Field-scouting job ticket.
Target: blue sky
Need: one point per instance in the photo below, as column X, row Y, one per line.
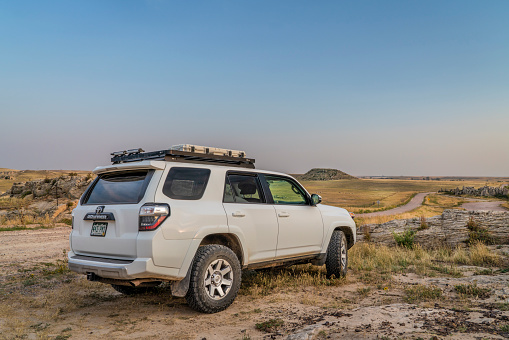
column 369, row 87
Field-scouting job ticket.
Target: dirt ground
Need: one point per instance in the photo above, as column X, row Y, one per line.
column 40, row 299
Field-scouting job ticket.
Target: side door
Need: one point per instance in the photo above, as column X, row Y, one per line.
column 249, row 214
column 300, row 223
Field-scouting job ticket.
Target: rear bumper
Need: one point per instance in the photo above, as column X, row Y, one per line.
column 140, row 268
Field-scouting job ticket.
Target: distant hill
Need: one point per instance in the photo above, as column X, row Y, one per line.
column 318, row 174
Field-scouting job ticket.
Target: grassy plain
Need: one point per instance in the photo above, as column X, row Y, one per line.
column 361, row 195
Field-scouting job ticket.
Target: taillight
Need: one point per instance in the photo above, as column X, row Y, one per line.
column 152, row 215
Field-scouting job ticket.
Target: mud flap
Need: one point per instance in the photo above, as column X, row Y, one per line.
column 180, row 288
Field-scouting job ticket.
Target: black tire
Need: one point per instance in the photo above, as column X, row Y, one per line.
column 205, row 288
column 128, row 290
column 337, row 255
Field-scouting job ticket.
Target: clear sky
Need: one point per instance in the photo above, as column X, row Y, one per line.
column 368, row 87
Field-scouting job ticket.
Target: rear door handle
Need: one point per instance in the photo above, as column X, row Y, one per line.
column 238, row 214
column 283, row 214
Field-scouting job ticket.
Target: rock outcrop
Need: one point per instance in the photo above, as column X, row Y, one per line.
column 452, row 228
column 71, row 187
column 484, row 191
column 325, row 175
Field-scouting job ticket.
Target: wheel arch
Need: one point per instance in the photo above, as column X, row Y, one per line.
column 350, row 238
column 229, row 240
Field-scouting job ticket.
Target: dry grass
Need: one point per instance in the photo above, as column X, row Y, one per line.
column 28, row 221
column 363, row 194
column 389, row 260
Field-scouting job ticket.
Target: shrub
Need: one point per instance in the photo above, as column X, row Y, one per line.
column 419, row 293
column 73, row 174
column 67, row 221
column 472, row 290
column 269, row 325
column 424, row 224
column 478, row 233
column 367, row 234
column 405, row 239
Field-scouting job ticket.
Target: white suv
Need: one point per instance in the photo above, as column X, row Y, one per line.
column 196, row 217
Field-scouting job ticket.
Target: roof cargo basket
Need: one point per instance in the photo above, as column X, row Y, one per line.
column 187, row 153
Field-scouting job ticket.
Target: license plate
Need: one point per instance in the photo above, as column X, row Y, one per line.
column 99, row 229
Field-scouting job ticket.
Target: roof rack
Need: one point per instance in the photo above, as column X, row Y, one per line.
column 208, row 155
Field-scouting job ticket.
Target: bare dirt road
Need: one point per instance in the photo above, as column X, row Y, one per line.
column 414, row 203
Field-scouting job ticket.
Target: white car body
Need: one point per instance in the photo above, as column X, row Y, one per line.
column 260, row 234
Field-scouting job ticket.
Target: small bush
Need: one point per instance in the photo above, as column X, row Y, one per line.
column 419, row 293
column 405, row 239
column 473, row 290
column 73, row 174
column 269, row 325
column 478, row 233
column 424, row 224
column 67, row 221
column 367, row 234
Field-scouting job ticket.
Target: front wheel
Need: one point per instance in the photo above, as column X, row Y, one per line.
column 336, row 262
column 215, row 279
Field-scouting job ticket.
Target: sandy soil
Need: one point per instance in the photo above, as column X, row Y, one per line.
column 68, row 306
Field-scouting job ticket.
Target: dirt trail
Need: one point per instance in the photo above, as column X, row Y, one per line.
column 414, row 203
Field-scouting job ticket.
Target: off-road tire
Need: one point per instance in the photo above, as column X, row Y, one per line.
column 128, row 290
column 198, row 296
column 337, row 255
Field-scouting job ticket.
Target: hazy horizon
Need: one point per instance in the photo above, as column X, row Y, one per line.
column 371, row 88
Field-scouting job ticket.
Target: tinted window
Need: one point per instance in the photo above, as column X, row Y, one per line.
column 119, row 188
column 242, row 189
column 285, row 191
column 186, row 183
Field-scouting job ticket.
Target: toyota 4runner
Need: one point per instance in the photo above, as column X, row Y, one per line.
column 195, row 217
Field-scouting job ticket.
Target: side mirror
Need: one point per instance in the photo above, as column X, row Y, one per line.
column 316, row 199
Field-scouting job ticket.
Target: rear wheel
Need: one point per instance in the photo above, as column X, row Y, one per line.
column 337, row 255
column 215, row 279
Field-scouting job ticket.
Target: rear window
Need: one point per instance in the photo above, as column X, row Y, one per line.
column 119, row 188
column 186, row 183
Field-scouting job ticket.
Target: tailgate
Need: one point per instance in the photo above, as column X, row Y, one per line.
column 106, row 220
column 110, row 238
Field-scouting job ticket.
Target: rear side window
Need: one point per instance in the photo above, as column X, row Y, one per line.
column 186, row 183
column 119, row 188
column 242, row 189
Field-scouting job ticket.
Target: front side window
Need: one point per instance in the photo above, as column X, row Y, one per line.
column 186, row 183
column 119, row 188
column 285, row 191
column 242, row 189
